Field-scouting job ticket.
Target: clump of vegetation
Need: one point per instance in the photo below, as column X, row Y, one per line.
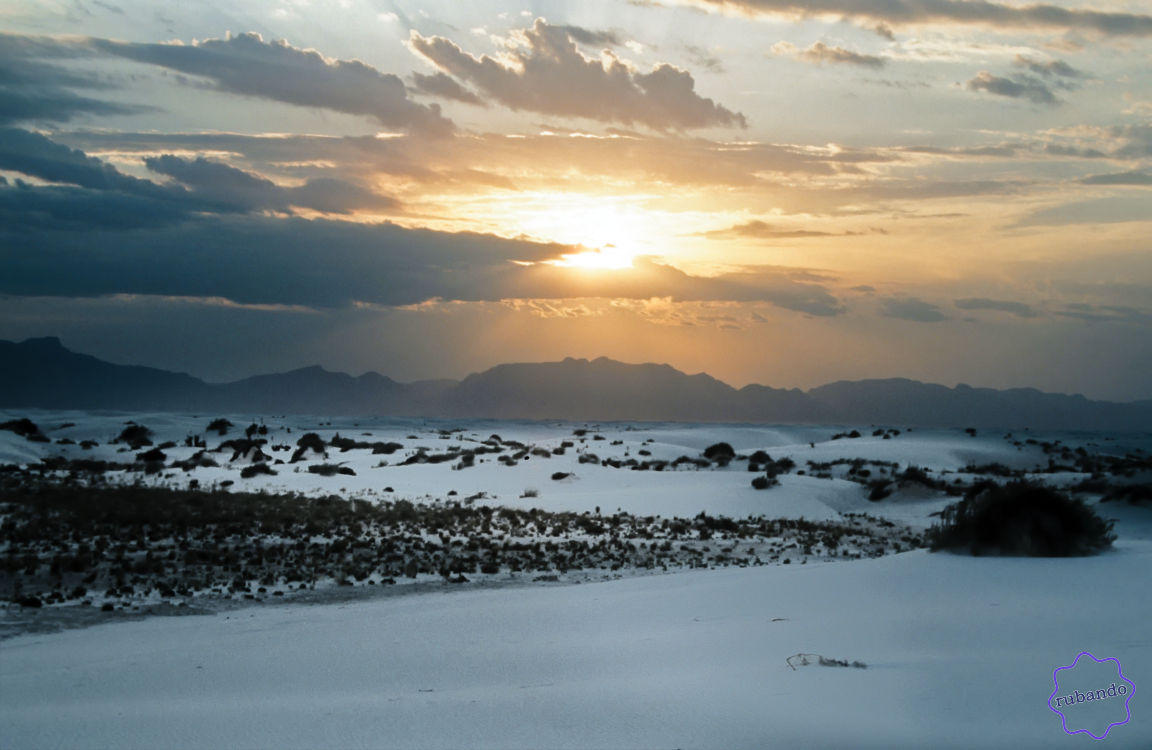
column 26, row 429
column 803, row 660
column 721, row 453
column 308, row 442
column 852, row 435
column 1021, row 518
column 261, row 468
column 330, row 470
column 764, row 481
column 916, row 475
column 1133, row 494
column 879, row 489
column 558, row 475
column 136, row 436
column 219, row 426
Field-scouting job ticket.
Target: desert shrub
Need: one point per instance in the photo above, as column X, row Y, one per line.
column 153, row 455
column 760, row 457
column 250, row 471
column 879, row 489
column 1021, row 518
column 308, row 442
column 255, row 429
column 219, row 426
column 719, row 451
column 1133, row 494
column 764, row 481
column 330, row 470
column 558, row 475
column 780, row 466
column 530, row 493
column 25, row 428
column 994, row 469
column 135, row 435
column 916, row 475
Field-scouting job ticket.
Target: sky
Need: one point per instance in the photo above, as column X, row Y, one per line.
column 776, row 192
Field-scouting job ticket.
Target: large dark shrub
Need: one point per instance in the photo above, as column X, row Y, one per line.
column 135, row 435
column 25, row 428
column 1021, row 518
column 719, row 450
column 219, row 426
column 764, row 481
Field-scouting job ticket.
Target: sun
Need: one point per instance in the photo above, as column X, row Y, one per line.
column 604, row 235
column 606, row 257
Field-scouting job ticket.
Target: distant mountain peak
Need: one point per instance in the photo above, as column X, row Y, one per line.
column 42, row 373
column 43, row 342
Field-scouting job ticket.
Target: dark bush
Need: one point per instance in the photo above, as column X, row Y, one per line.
column 329, row 470
column 1133, row 494
column 25, row 428
column 557, row 476
column 719, row 451
column 153, row 455
column 879, row 489
column 764, row 481
column 916, row 475
column 250, row 471
column 1021, row 518
column 135, row 435
column 219, row 426
column 308, row 442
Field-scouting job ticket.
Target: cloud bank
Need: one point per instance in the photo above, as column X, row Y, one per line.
column 547, row 73
column 1034, row 17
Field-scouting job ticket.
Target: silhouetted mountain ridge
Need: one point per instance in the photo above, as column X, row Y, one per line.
column 42, row 373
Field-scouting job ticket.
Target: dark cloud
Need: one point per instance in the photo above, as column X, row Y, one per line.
column 1056, row 149
column 702, row 58
column 444, row 87
column 822, row 53
column 324, row 263
column 912, row 308
column 37, row 156
column 1037, row 16
column 1006, row 150
column 31, row 209
column 203, row 186
column 1116, row 209
column 1024, row 87
column 590, row 36
column 32, row 90
column 234, row 189
column 494, row 159
column 1135, row 141
column 551, row 76
column 247, row 65
column 1104, row 313
column 761, row 230
column 1018, row 309
column 1049, row 69
column 1133, row 177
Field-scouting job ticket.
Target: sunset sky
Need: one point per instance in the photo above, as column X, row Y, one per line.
column 788, row 193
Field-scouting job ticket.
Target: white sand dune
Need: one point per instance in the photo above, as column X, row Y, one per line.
column 959, row 650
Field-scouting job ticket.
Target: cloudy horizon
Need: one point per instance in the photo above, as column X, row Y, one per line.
column 774, row 192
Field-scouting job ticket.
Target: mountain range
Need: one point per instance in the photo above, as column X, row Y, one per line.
column 42, row 373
